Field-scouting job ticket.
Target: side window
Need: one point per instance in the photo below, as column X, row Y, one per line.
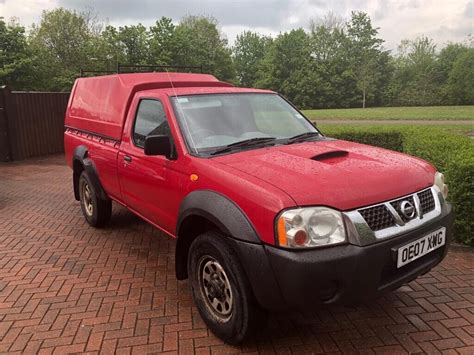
column 150, row 120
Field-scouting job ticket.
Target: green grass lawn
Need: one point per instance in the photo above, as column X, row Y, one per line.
column 436, row 113
column 327, row 128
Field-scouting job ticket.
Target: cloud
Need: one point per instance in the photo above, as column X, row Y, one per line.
column 27, row 11
column 469, row 11
column 264, row 13
column 440, row 19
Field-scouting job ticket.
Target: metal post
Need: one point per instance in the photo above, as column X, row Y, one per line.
column 5, row 143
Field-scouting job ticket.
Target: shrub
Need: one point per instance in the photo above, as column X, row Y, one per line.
column 450, row 152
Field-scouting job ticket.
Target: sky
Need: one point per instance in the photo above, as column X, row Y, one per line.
column 442, row 20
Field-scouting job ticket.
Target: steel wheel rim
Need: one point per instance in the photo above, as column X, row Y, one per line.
column 87, row 199
column 215, row 288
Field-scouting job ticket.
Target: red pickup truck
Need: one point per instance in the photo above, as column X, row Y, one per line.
column 268, row 212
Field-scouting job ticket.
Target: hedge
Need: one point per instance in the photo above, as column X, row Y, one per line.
column 450, row 152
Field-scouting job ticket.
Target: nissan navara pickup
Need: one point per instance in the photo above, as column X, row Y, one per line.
column 268, row 212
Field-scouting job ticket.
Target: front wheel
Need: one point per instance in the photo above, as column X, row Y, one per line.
column 221, row 290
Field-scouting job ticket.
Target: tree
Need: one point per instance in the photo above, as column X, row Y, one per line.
column 286, row 64
column 416, row 77
column 109, row 50
column 366, row 50
column 461, row 78
column 328, row 38
column 444, row 65
column 16, row 62
column 200, row 42
column 63, row 42
column 162, row 42
column 331, row 62
column 248, row 52
column 338, row 63
column 134, row 42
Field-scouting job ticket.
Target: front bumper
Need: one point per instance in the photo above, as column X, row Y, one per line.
column 336, row 275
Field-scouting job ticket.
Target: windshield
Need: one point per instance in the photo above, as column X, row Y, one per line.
column 212, row 121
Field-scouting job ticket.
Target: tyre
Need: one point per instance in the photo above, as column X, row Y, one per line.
column 221, row 290
column 96, row 211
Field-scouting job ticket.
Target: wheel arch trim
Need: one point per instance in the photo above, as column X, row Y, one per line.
column 218, row 209
column 81, row 156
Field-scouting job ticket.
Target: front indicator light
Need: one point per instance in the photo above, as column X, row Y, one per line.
column 282, row 240
column 439, row 182
column 310, row 227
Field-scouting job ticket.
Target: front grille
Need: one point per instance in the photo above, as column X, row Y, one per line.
column 427, row 201
column 396, row 204
column 378, row 217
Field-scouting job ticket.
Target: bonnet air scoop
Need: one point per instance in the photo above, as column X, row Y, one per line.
column 333, row 154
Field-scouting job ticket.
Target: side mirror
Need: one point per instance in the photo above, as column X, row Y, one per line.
column 158, row 145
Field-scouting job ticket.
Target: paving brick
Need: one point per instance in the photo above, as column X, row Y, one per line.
column 463, row 335
column 170, row 341
column 444, row 344
column 454, row 322
column 68, row 288
column 133, row 341
column 465, row 350
column 424, row 336
column 94, row 342
column 390, row 349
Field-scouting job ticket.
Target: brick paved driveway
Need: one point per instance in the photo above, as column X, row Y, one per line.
column 65, row 287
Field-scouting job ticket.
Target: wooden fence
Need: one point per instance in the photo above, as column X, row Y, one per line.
column 31, row 123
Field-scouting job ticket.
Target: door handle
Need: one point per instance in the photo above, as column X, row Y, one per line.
column 127, row 158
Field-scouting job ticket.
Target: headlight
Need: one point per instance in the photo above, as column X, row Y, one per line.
column 310, row 227
column 439, row 183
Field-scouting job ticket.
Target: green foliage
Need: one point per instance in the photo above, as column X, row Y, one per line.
column 201, row 42
column 62, row 43
column 461, row 77
column 248, row 53
column 287, row 65
column 335, row 86
column 338, row 63
column 163, row 43
column 133, row 40
column 366, row 53
column 449, row 152
column 16, row 63
column 416, row 74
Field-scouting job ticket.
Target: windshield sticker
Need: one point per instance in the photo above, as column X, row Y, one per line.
column 183, row 100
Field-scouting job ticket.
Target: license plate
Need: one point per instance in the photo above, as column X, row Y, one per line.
column 420, row 247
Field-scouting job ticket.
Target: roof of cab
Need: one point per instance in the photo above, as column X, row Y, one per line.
column 100, row 104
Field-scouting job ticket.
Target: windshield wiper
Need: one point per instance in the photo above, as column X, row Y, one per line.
column 301, row 137
column 244, row 143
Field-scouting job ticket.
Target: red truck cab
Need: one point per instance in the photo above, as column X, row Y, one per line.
column 268, row 212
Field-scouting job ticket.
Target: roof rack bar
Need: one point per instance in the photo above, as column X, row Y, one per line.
column 141, row 68
column 96, row 72
column 120, row 67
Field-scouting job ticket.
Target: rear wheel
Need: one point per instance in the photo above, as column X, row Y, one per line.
column 96, row 211
column 221, row 290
